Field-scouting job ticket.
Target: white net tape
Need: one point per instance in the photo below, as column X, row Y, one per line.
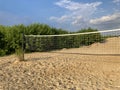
column 101, row 31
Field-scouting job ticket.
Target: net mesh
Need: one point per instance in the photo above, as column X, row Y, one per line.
column 43, row 43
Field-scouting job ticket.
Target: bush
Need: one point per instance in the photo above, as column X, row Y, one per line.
column 2, row 52
column 11, row 38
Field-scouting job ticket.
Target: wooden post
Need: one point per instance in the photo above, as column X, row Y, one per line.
column 23, row 40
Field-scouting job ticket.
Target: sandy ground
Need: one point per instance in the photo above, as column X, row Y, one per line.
column 95, row 67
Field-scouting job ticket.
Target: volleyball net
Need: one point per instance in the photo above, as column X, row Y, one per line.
column 36, row 43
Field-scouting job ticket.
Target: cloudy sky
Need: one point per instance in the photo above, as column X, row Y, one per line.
column 67, row 14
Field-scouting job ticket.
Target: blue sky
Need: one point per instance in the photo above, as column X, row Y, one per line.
column 67, row 14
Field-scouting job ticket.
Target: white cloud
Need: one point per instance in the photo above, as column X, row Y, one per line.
column 75, row 12
column 77, row 20
column 60, row 19
column 106, row 22
column 71, row 5
column 103, row 19
column 116, row 1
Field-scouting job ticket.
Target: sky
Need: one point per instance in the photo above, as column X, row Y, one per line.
column 70, row 15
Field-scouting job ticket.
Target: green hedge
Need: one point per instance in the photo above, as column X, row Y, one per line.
column 54, row 43
column 11, row 38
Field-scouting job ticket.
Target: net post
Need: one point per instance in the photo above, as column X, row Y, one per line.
column 23, row 39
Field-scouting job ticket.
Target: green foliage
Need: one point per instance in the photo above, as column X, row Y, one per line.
column 2, row 41
column 11, row 38
column 2, row 52
column 89, row 39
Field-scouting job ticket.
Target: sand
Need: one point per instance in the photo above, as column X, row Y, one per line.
column 95, row 67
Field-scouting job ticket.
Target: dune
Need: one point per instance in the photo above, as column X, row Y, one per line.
column 110, row 46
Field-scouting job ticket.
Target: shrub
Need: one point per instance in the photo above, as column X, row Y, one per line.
column 11, row 38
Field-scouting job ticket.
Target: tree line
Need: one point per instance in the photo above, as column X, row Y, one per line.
column 11, row 38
